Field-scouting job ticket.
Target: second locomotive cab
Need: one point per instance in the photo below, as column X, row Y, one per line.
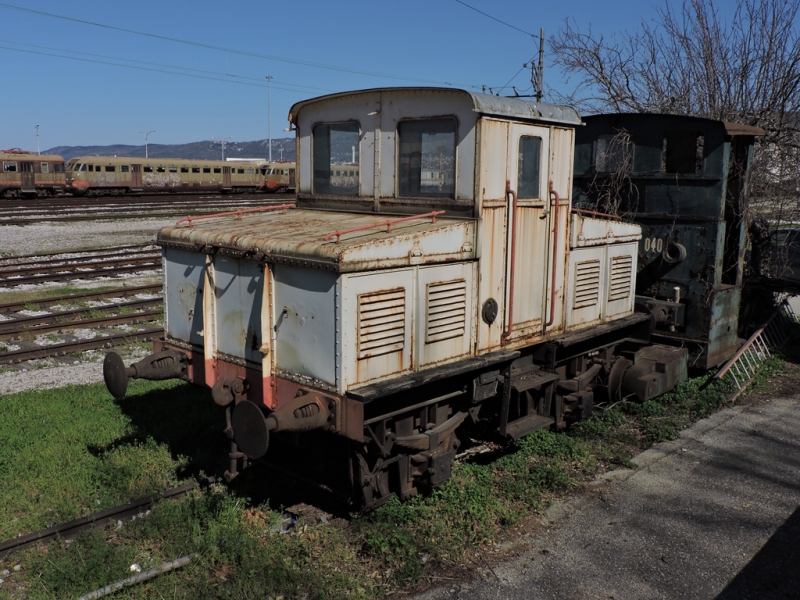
column 447, row 282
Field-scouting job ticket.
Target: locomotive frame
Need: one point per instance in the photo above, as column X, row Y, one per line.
column 451, row 283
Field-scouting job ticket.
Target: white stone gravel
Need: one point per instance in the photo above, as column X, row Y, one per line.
column 78, row 235
column 45, row 379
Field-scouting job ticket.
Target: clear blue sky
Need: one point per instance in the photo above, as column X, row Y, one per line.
column 83, row 102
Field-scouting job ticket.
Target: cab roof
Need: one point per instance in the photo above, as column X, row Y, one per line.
column 484, row 104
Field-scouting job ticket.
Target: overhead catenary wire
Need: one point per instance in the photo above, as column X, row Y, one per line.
column 533, row 35
column 230, row 77
column 138, row 68
column 232, row 50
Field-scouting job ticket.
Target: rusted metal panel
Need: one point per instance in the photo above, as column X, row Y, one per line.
column 238, row 293
column 376, row 325
column 588, row 231
column 184, row 274
column 305, row 322
column 300, row 234
column 621, row 280
column 445, row 312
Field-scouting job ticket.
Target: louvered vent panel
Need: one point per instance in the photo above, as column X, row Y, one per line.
column 620, row 284
column 447, row 310
column 381, row 323
column 587, row 283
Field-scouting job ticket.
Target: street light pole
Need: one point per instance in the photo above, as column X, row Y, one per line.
column 37, row 139
column 269, row 113
column 222, row 143
column 145, row 139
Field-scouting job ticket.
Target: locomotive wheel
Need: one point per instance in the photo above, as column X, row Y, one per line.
column 615, row 379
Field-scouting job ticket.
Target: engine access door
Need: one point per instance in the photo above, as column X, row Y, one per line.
column 528, row 232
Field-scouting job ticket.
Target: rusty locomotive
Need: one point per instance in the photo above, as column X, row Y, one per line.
column 457, row 278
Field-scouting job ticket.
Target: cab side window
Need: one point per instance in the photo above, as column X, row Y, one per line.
column 335, row 145
column 427, row 158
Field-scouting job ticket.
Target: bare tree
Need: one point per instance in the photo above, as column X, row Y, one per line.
column 692, row 61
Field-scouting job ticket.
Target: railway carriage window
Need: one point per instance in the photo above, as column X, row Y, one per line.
column 45, row 168
column 683, row 151
column 97, row 168
column 217, row 170
column 111, row 169
column 83, row 167
column 124, row 168
column 184, row 169
column 530, row 159
column 9, row 167
column 613, row 152
column 206, row 169
column 173, row 169
column 159, row 169
column 427, row 162
column 148, row 169
column 91, row 168
column 334, row 144
column 195, row 169
column 241, row 171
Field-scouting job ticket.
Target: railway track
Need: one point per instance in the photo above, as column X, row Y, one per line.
column 70, row 210
column 90, row 264
column 25, row 337
column 122, row 512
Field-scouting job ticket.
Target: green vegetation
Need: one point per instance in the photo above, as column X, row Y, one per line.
column 73, row 451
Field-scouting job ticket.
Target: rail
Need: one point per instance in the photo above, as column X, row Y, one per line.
column 238, row 213
column 594, row 213
column 388, row 223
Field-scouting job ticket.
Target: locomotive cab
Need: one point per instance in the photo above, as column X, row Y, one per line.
column 430, row 273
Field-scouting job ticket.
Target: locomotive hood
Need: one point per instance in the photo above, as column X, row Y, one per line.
column 342, row 242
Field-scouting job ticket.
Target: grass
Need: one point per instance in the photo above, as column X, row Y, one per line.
column 76, row 450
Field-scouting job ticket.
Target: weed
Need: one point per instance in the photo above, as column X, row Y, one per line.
column 31, row 306
column 97, row 313
column 126, row 310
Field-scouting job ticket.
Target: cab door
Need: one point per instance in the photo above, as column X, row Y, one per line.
column 136, row 177
column 528, row 260
column 27, row 177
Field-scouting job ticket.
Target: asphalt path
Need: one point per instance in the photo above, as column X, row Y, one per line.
column 714, row 514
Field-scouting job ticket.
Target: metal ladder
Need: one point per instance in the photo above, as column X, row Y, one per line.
column 771, row 336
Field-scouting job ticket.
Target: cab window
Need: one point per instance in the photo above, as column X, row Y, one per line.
column 334, row 144
column 45, row 168
column 529, row 161
column 9, row 166
column 427, row 157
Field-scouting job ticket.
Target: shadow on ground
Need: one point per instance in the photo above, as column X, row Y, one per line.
column 775, row 571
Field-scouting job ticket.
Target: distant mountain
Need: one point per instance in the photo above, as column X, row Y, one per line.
column 206, row 150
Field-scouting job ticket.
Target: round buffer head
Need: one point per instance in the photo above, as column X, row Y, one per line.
column 114, row 375
column 250, row 429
